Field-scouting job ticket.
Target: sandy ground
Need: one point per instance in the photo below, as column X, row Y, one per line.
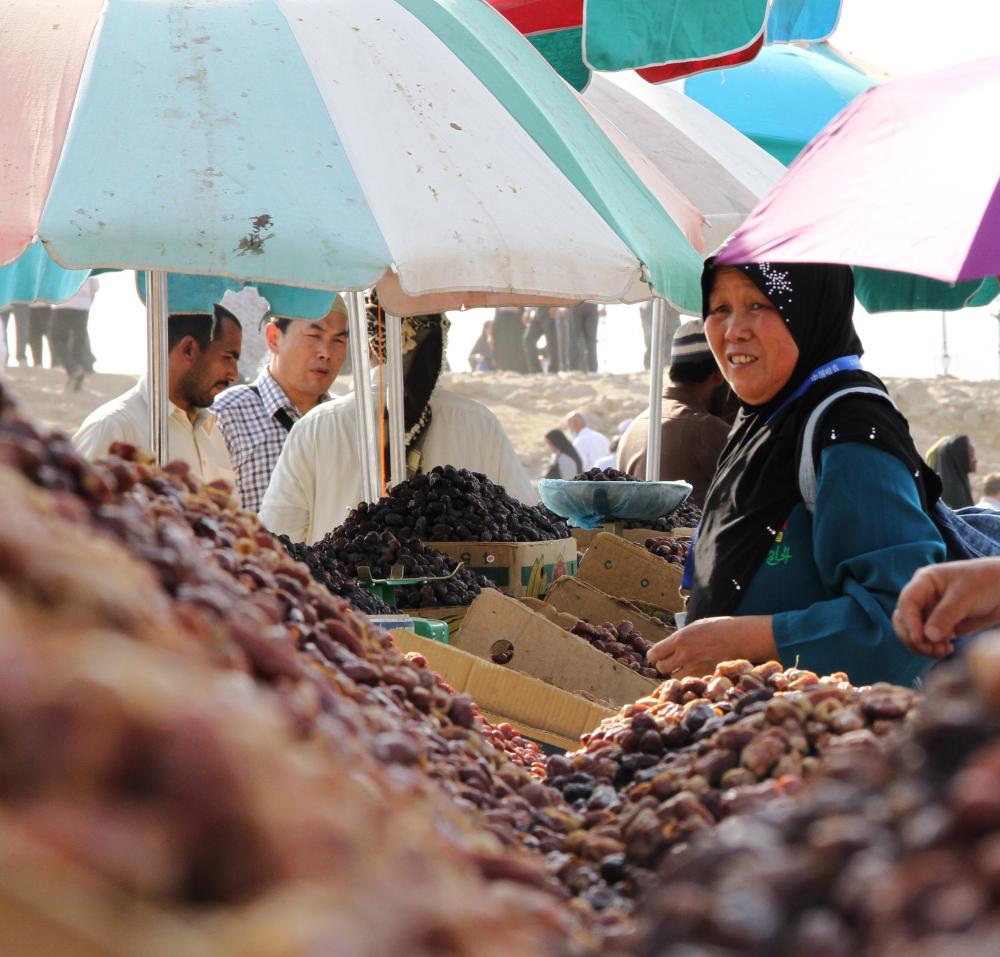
column 528, row 406
column 42, row 394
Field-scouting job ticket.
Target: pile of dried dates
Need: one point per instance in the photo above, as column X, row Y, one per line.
column 332, row 573
column 696, row 751
column 604, row 475
column 341, row 686
column 672, row 550
column 889, row 852
column 452, row 505
column 687, row 515
column 380, row 552
column 189, row 716
column 621, row 642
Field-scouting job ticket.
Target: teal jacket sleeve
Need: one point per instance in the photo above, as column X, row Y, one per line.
column 870, row 534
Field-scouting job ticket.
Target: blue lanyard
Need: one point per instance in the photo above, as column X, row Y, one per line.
column 843, row 364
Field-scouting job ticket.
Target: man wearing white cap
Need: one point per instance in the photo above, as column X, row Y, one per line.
column 692, row 433
column 203, row 352
column 305, row 356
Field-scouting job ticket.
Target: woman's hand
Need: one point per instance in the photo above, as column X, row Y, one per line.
column 944, row 601
column 695, row 650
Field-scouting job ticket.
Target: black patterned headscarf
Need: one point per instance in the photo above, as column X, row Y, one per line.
column 425, row 343
column 755, row 486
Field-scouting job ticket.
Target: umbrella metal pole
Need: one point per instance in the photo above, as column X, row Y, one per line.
column 157, row 365
column 397, row 422
column 368, row 450
column 945, row 357
column 996, row 316
column 655, row 392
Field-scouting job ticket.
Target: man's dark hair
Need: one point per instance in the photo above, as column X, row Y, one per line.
column 281, row 322
column 199, row 326
column 692, row 373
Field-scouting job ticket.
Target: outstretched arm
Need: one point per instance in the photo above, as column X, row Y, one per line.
column 943, row 602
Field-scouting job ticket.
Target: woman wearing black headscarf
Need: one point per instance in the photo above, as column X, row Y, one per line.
column 770, row 579
column 953, row 458
column 565, row 459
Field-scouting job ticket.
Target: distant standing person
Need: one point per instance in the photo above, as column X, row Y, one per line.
column 540, row 323
column 481, row 357
column 562, row 355
column 590, row 444
column 39, row 324
column 954, row 459
column 692, row 434
column 19, row 312
column 991, row 492
column 508, row 330
column 565, row 462
column 305, row 357
column 587, row 316
column 68, row 334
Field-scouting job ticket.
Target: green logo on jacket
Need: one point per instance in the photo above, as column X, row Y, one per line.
column 780, row 554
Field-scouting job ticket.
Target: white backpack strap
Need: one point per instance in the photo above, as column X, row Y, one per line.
column 807, row 464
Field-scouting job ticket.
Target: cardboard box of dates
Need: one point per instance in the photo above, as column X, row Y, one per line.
column 626, row 570
column 543, row 713
column 508, row 633
column 574, row 597
column 517, row 568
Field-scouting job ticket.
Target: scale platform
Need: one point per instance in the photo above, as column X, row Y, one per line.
column 592, row 504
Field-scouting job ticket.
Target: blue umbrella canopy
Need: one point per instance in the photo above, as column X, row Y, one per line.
column 802, row 21
column 35, row 277
column 782, row 99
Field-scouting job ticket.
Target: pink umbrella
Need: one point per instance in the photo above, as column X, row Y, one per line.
column 906, row 178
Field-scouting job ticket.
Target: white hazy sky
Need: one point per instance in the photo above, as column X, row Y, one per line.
column 902, row 36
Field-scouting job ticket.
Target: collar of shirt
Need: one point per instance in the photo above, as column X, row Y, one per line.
column 273, row 397
column 203, row 418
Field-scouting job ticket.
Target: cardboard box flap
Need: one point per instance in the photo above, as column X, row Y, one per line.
column 585, row 536
column 509, row 695
column 625, row 570
column 508, row 633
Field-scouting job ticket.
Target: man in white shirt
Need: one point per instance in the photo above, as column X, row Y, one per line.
column 589, row 444
column 317, row 480
column 204, row 351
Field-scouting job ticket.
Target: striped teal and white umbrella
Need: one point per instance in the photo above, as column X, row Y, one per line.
column 422, row 146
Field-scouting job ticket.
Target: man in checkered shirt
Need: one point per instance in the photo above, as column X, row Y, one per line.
column 305, row 358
